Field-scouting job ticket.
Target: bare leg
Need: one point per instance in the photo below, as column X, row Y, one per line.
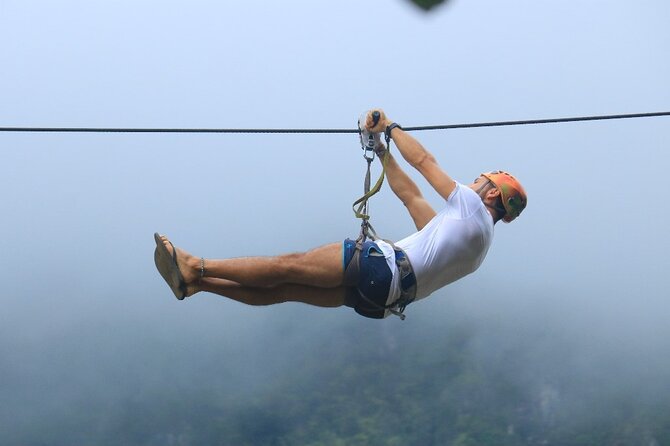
column 320, row 267
column 322, row 297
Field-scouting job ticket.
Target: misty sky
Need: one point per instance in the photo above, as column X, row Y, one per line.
column 586, row 263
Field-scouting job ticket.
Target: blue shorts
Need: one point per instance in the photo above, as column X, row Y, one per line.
column 368, row 296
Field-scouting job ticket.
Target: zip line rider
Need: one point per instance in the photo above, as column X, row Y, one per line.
column 375, row 277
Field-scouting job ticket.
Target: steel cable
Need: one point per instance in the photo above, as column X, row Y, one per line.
column 325, row 131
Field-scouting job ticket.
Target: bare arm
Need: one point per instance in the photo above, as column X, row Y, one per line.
column 418, row 157
column 408, row 192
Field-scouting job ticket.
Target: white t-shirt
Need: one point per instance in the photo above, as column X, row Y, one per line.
column 452, row 245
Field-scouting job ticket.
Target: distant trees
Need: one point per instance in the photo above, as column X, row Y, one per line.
column 427, row 4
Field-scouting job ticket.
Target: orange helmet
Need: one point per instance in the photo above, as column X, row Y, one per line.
column 513, row 195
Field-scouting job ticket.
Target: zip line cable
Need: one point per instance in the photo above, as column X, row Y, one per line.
column 279, row 130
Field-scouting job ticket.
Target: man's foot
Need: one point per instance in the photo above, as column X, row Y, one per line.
column 178, row 268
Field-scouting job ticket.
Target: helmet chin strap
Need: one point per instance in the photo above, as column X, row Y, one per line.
column 480, row 189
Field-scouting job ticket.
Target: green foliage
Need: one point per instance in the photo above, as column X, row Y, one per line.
column 374, row 384
column 427, row 4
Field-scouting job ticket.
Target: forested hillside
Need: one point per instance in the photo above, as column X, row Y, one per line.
column 370, row 384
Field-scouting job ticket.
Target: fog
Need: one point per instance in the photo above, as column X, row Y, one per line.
column 570, row 306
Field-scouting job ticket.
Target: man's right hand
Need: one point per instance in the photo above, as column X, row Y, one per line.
column 382, row 123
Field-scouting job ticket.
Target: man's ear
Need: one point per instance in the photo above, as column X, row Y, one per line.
column 493, row 193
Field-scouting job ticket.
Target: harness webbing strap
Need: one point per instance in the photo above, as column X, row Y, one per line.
column 360, row 205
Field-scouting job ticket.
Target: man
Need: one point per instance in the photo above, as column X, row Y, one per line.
column 376, row 278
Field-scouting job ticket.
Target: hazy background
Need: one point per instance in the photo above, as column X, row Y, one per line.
column 572, row 296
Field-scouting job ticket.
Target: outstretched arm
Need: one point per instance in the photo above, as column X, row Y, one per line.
column 408, row 192
column 417, row 156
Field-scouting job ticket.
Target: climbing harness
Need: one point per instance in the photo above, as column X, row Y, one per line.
column 370, row 143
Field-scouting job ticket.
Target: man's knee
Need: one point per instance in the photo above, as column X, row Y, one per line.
column 321, row 267
column 292, row 263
